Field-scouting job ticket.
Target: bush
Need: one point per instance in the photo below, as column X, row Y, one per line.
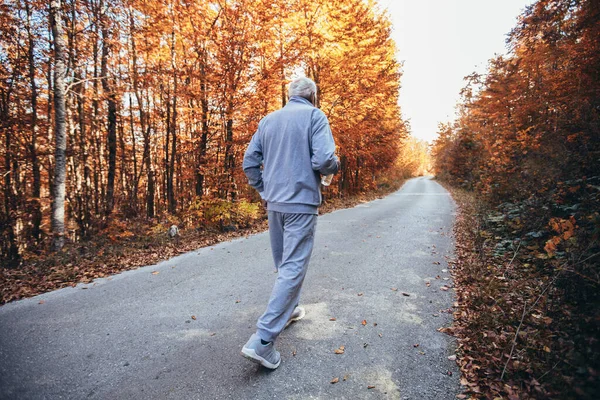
column 219, row 213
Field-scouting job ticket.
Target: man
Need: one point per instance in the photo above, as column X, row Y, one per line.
column 294, row 146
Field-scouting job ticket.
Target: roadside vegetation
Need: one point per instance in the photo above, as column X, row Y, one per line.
column 523, row 162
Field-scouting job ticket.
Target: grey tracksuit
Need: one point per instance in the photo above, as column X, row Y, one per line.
column 293, row 146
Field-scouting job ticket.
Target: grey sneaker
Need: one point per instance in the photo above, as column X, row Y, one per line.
column 265, row 355
column 297, row 315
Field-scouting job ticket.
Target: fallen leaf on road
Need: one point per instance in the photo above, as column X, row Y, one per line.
column 332, row 319
column 238, row 301
column 213, row 334
column 335, row 380
column 374, row 323
column 345, row 377
column 380, row 335
column 452, row 357
column 449, row 373
column 194, row 317
column 155, row 272
column 444, row 288
column 371, row 387
column 364, row 322
column 428, row 284
column 360, row 294
column 416, row 345
column 41, row 302
column 294, row 353
column 340, row 350
column 436, row 262
column 405, row 294
column 395, row 289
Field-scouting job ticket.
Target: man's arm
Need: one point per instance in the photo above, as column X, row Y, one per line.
column 253, row 159
column 323, row 157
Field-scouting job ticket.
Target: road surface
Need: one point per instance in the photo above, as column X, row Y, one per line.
column 132, row 336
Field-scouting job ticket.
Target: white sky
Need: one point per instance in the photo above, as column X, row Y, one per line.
column 440, row 42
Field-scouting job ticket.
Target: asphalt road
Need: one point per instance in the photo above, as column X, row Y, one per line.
column 133, row 336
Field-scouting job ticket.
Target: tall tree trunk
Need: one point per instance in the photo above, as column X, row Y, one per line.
column 172, row 204
column 111, row 137
column 36, row 217
column 204, row 135
column 60, row 170
column 150, row 190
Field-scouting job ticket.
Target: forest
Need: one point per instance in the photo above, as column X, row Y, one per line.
column 127, row 110
column 526, row 145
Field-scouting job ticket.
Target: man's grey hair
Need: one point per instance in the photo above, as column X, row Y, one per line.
column 303, row 87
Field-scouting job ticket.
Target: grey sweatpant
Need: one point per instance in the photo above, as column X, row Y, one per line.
column 292, row 237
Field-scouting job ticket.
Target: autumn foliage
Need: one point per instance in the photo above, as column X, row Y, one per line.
column 527, row 143
column 162, row 97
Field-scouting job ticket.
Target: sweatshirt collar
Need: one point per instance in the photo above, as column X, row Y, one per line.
column 300, row 99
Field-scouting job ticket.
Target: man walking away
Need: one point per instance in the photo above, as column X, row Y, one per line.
column 295, row 147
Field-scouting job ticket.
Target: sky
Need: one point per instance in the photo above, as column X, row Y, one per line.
column 440, row 42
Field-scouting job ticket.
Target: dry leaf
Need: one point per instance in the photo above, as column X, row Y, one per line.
column 444, row 288
column 345, row 377
column 380, row 335
column 374, row 323
column 335, row 380
column 371, row 387
column 155, row 272
column 332, row 319
column 416, row 345
column 405, row 294
column 340, row 350
column 213, row 334
column 395, row 289
column 294, row 353
column 360, row 294
column 436, row 262
column 428, row 284
column 452, row 357
column 238, row 301
column 547, row 349
column 364, row 322
column 194, row 317
column 41, row 302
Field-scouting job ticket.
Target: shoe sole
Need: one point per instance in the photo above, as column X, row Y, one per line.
column 298, row 318
column 251, row 355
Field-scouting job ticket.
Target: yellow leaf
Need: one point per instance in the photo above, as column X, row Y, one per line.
column 547, row 349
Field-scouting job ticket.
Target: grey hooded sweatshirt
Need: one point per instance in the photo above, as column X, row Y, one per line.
column 293, row 145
